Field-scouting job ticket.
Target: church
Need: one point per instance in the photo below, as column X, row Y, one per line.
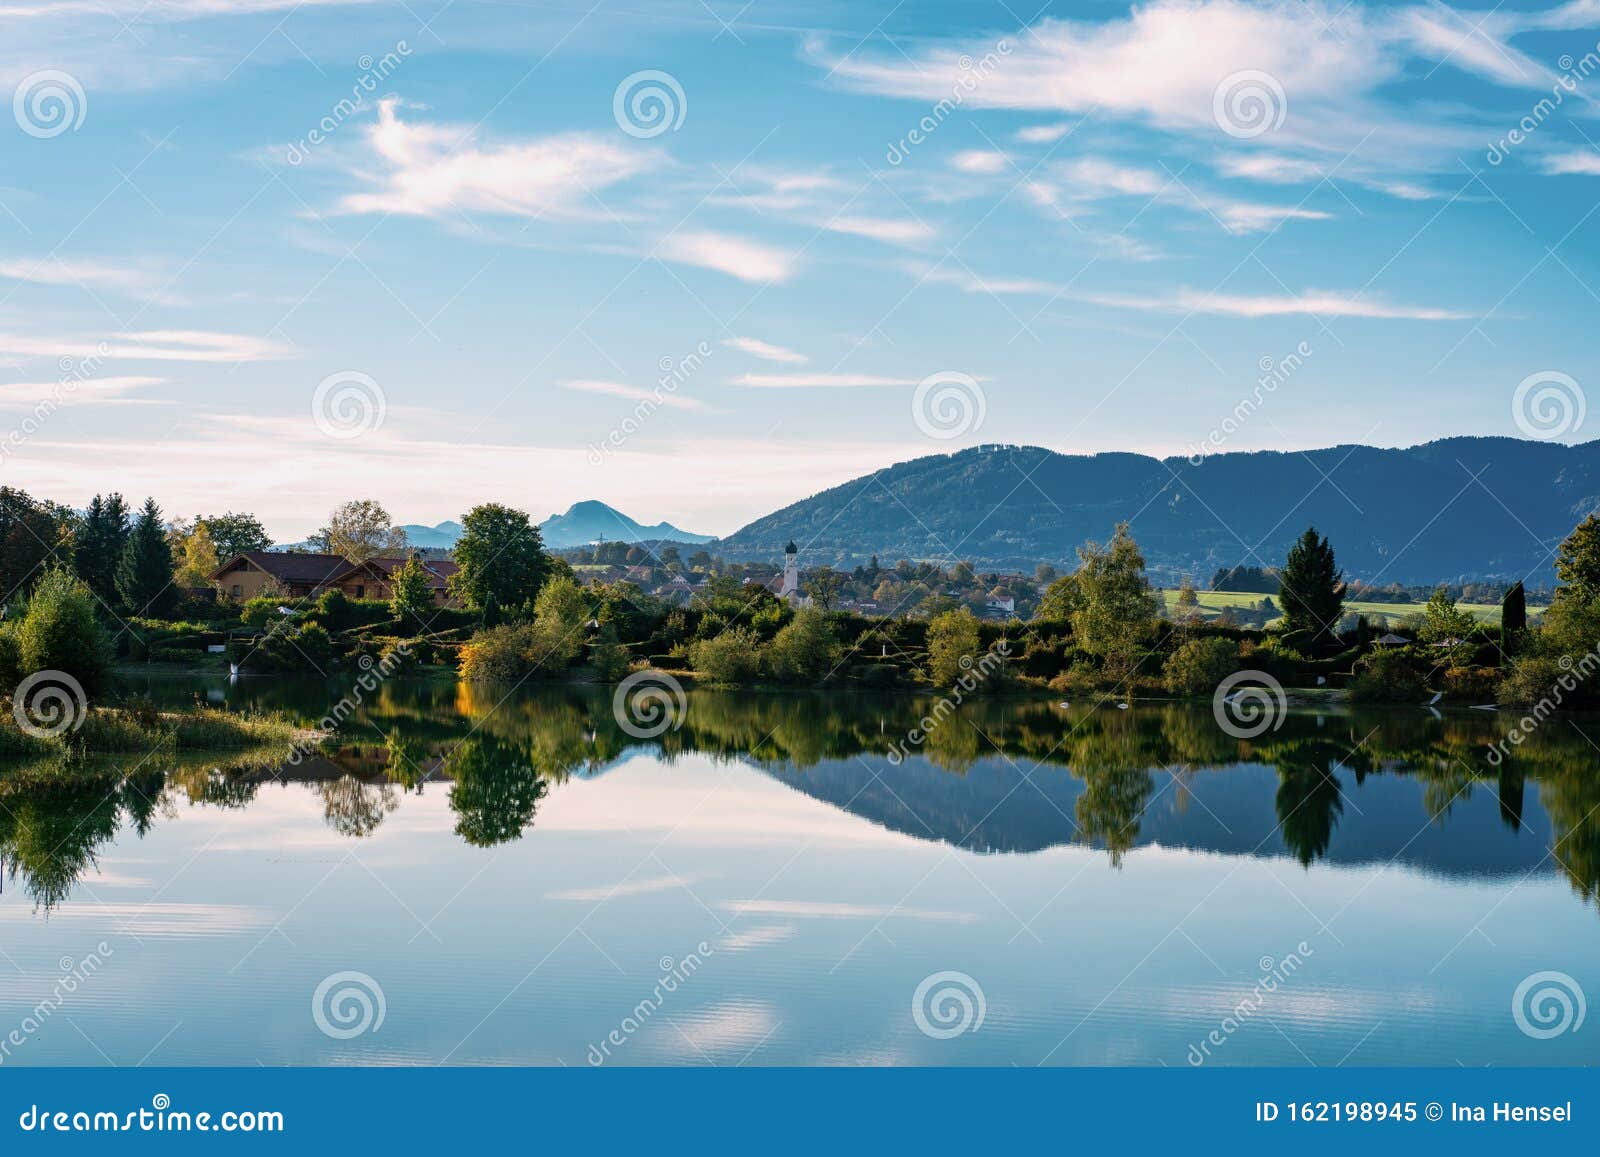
column 787, row 588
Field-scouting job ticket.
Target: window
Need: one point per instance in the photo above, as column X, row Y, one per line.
column 361, row 591
column 236, row 591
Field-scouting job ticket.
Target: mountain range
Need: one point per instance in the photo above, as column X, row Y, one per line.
column 1457, row 508
column 583, row 523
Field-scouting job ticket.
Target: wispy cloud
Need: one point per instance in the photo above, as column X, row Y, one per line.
column 766, row 351
column 90, row 391
column 166, row 345
column 61, row 271
column 739, row 257
column 980, row 161
column 636, row 393
column 890, row 230
column 1319, row 303
column 1580, row 162
column 818, row 381
column 431, row 170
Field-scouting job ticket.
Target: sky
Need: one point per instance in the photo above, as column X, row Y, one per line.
column 701, row 260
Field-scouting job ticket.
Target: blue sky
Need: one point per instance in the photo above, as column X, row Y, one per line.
column 1091, row 226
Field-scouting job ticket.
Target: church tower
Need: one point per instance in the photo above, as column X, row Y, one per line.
column 791, row 572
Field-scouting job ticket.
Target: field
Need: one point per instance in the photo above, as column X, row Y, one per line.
column 1213, row 602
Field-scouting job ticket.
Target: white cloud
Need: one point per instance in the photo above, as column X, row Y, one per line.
column 166, row 345
column 431, row 170
column 1073, row 185
column 1580, row 162
column 58, row 271
column 1043, row 134
column 1469, row 41
column 980, row 161
column 619, row 390
column 736, row 256
column 765, row 350
column 1320, row 303
column 825, row 381
column 976, row 283
column 90, row 391
column 1277, row 170
column 889, row 230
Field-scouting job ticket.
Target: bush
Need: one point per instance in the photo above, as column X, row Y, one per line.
column 1387, row 677
column 1531, row 678
column 729, row 659
column 804, row 651
column 60, row 631
column 497, row 654
column 1473, row 684
column 1199, row 665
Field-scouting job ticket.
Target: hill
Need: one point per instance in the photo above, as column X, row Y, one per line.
column 1458, row 508
column 586, row 522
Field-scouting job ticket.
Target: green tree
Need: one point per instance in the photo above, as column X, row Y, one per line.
column 411, row 594
column 954, row 646
column 805, row 650
column 1116, row 607
column 1578, row 561
column 1513, row 617
column 559, row 617
column 728, row 659
column 194, row 554
column 1313, row 588
column 60, row 631
column 144, row 573
column 502, row 558
column 30, row 535
column 824, row 585
column 360, row 530
column 1197, row 666
column 235, row 534
column 1060, row 600
column 1445, row 622
column 98, row 543
column 1188, row 602
column 610, row 656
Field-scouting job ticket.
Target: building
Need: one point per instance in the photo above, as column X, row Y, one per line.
column 788, row 586
column 297, row 576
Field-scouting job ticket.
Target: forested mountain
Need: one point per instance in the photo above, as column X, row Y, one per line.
column 1451, row 509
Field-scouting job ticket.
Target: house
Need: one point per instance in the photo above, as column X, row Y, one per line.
column 297, row 576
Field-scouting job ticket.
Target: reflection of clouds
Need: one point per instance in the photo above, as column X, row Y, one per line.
column 616, row 891
column 732, row 1027
column 165, row 921
column 763, row 937
column 831, row 910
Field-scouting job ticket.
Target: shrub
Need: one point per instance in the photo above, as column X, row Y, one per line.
column 729, row 659
column 60, row 631
column 1387, row 677
column 804, row 651
column 497, row 654
column 1199, row 665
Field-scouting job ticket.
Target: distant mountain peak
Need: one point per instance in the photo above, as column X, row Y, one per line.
column 594, row 521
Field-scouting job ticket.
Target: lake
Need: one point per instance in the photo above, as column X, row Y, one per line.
column 511, row 877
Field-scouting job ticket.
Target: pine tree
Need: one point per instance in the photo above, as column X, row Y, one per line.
column 101, row 540
column 1313, row 588
column 144, row 573
column 1513, row 617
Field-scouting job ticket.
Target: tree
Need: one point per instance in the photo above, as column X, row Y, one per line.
column 194, row 554
column 1197, row 666
column 60, row 631
column 1188, row 604
column 1513, row 618
column 824, row 585
column 1445, row 621
column 727, row 659
column 1578, row 561
column 1116, row 607
column 610, row 657
column 234, row 534
column 1313, row 588
column 953, row 646
column 1060, row 600
column 805, row 650
column 502, row 558
column 144, row 573
column 411, row 594
column 360, row 530
column 1044, row 574
column 30, row 535
column 98, row 544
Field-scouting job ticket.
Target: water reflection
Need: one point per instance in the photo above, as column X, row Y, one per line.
column 1001, row 777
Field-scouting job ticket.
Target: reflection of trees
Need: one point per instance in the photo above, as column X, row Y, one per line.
column 354, row 808
column 49, row 834
column 495, row 793
column 1308, row 802
column 1108, row 810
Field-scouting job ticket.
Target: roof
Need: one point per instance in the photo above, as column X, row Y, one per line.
column 439, row 570
column 288, row 566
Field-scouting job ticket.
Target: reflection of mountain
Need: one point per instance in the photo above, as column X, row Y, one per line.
column 994, row 807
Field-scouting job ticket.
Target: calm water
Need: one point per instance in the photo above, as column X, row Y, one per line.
column 525, row 883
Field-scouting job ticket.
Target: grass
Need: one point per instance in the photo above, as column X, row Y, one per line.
column 111, row 731
column 1213, row 603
